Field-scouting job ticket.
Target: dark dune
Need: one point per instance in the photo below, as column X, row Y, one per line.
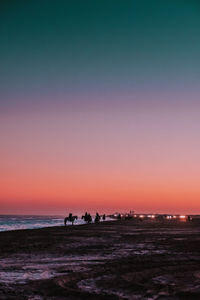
column 111, row 260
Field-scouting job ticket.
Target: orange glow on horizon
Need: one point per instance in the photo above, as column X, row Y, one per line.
column 99, row 164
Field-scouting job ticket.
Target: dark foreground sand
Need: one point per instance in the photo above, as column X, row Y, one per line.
column 112, row 260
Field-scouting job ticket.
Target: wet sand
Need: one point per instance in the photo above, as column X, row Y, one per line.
column 111, row 260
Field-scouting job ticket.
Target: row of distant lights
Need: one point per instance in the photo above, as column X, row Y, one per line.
column 167, row 217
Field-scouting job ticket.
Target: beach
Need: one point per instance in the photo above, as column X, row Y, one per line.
column 125, row 259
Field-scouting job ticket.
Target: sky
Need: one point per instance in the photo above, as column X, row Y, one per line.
column 99, row 106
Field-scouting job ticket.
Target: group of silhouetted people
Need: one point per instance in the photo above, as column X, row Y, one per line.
column 86, row 217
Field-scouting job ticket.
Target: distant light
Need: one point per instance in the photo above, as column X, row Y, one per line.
column 152, row 216
column 182, row 217
column 169, row 217
column 141, row 216
column 174, row 217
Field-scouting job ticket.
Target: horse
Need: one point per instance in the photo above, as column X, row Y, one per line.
column 87, row 218
column 70, row 219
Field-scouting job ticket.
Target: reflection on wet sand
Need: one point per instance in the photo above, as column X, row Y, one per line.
column 125, row 259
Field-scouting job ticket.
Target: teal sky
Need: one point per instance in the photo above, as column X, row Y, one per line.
column 59, row 47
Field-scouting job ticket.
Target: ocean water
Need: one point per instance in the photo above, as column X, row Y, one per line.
column 15, row 222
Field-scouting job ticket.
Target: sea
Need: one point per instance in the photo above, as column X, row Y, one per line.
column 15, row 222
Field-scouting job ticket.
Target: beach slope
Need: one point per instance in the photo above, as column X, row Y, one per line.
column 111, row 260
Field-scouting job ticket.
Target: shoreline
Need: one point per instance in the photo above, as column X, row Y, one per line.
column 53, row 226
column 122, row 259
column 12, row 223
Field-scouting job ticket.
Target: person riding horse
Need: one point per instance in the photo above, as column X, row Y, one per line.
column 87, row 218
column 70, row 218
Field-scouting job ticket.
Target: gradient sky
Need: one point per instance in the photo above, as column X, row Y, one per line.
column 99, row 106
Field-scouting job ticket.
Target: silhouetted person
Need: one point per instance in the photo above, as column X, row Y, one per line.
column 104, row 217
column 87, row 218
column 119, row 217
column 70, row 218
column 97, row 218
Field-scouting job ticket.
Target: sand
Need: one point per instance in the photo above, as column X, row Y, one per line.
column 112, row 260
